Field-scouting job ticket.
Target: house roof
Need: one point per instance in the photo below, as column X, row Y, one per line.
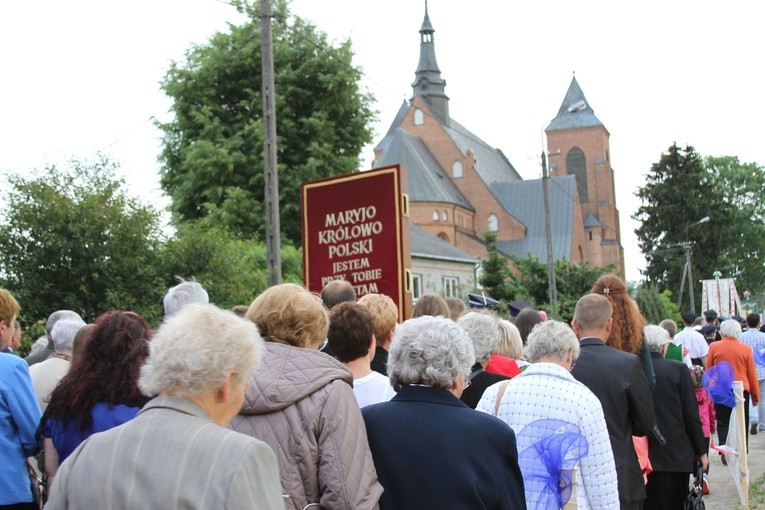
column 427, row 180
column 574, row 112
column 425, row 245
column 524, row 200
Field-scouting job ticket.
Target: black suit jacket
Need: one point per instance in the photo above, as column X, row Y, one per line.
column 618, row 380
column 380, row 361
column 677, row 415
column 433, row 452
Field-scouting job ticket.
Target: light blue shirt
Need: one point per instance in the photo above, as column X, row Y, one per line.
column 19, row 418
column 756, row 340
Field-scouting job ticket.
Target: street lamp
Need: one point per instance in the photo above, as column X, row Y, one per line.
column 688, row 269
column 552, row 286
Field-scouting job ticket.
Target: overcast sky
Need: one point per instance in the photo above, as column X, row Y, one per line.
column 83, row 76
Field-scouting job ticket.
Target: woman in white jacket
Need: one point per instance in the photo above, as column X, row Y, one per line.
column 546, row 393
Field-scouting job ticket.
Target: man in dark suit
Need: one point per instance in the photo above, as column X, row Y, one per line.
column 618, row 380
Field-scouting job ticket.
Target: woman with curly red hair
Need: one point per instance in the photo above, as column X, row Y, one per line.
column 100, row 390
column 628, row 323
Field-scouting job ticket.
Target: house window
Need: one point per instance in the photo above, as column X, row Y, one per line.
column 493, row 224
column 419, row 117
column 416, row 286
column 435, row 215
column 450, row 285
column 457, row 170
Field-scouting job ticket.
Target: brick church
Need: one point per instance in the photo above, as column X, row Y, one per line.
column 460, row 187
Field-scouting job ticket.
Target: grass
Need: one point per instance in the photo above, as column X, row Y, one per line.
column 756, row 494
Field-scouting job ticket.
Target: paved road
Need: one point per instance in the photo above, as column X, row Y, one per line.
column 723, row 495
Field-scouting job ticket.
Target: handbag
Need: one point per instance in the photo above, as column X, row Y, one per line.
column 37, row 483
column 694, row 500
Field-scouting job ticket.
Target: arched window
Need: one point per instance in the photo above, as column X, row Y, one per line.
column 443, row 216
column 444, row 237
column 435, row 215
column 419, row 117
column 457, row 170
column 576, row 164
column 493, row 223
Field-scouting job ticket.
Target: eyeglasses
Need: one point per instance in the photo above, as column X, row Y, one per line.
column 326, row 341
column 468, row 382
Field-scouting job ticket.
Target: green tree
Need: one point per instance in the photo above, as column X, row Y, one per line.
column 74, row 239
column 678, row 192
column 495, row 271
column 212, row 160
column 231, row 268
column 683, row 188
column 649, row 301
column 742, row 185
column 528, row 282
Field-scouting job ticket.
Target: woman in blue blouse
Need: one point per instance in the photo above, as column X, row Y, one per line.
column 100, row 391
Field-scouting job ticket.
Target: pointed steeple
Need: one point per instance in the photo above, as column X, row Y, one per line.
column 427, row 79
column 574, row 111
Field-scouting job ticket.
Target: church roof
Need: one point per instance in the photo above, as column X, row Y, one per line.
column 592, row 221
column 427, row 181
column 491, row 164
column 574, row 112
column 523, row 199
column 425, row 245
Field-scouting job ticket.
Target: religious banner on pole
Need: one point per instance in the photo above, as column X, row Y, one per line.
column 720, row 295
column 356, row 228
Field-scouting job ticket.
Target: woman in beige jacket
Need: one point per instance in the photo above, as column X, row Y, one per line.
column 301, row 403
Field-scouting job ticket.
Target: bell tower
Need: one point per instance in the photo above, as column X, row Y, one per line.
column 579, row 143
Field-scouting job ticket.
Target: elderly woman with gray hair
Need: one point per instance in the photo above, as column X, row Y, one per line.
column 483, row 330
column 546, row 393
column 176, row 452
column 677, row 415
column 430, row 450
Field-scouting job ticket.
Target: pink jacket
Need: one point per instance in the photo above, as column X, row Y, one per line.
column 706, row 411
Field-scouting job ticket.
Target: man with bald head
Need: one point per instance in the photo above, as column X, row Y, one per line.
column 618, row 380
column 336, row 292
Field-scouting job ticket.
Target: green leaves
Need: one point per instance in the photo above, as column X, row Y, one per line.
column 213, row 148
column 683, row 188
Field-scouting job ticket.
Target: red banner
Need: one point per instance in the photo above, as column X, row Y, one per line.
column 354, row 229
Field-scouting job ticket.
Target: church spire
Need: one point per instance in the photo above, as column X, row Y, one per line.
column 427, row 79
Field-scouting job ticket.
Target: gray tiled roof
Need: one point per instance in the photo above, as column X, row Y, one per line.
column 577, row 119
column 525, row 201
column 426, row 245
column 491, row 164
column 592, row 221
column 427, row 181
column 398, row 119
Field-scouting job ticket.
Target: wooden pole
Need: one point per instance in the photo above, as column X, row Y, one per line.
column 743, row 456
column 271, row 192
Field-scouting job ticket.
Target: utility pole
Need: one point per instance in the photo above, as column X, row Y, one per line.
column 271, row 195
column 552, row 287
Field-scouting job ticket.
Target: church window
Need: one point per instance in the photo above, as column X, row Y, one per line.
column 493, row 223
column 435, row 215
column 419, row 117
column 443, row 216
column 457, row 170
column 576, row 164
column 590, row 235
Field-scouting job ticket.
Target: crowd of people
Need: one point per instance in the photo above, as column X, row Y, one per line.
column 301, row 400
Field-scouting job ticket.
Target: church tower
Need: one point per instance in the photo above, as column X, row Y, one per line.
column 427, row 79
column 579, row 145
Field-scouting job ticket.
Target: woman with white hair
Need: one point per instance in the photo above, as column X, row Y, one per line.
column 741, row 358
column 482, row 329
column 430, row 450
column 677, row 416
column 47, row 374
column 176, row 452
column 546, row 391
